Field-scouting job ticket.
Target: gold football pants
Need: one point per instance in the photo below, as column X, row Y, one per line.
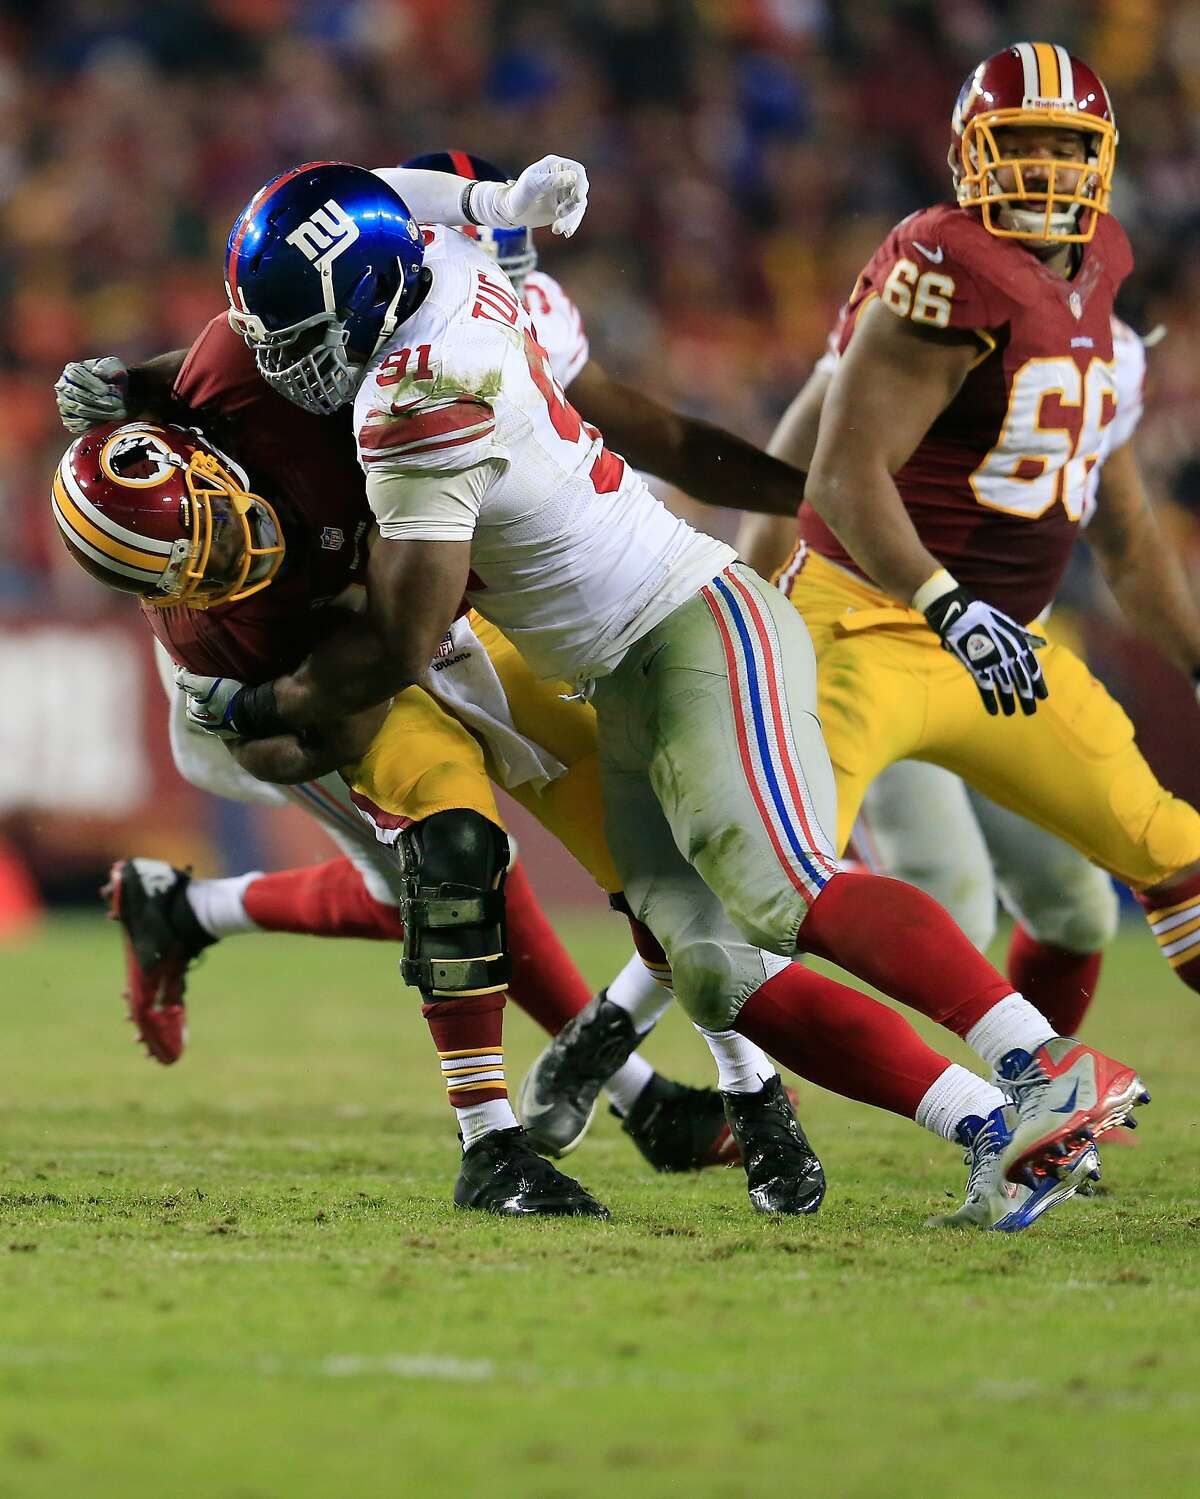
column 887, row 691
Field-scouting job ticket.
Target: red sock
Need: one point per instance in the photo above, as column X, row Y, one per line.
column 323, row 900
column 468, row 1034
column 1174, row 917
column 1053, row 980
column 545, row 982
column 898, row 939
column 841, row 1040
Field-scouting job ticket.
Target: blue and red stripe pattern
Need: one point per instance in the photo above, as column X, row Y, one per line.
column 770, row 763
column 323, row 803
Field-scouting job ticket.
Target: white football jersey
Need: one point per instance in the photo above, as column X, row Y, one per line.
column 559, row 325
column 1129, row 356
column 465, row 434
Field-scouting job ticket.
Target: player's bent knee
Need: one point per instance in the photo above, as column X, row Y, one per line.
column 455, row 939
column 713, row 979
column 1085, row 920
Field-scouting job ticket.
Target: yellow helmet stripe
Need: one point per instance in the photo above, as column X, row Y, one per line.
column 69, row 516
column 1049, row 74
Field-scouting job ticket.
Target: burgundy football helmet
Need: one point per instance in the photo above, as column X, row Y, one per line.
column 1034, row 84
column 158, row 511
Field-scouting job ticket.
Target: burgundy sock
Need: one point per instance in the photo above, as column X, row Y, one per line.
column 468, row 1034
column 545, row 982
column 1174, row 917
column 1057, row 982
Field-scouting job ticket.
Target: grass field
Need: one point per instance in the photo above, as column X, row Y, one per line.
column 242, row 1277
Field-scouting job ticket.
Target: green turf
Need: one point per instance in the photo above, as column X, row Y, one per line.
column 242, row 1276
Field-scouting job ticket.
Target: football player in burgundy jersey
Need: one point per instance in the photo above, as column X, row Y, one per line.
column 951, row 471
column 922, row 824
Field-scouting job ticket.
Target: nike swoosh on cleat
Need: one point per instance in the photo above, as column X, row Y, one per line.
column 934, row 255
column 1069, row 1106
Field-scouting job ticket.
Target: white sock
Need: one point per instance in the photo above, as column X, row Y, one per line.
column 627, row 1082
column 953, row 1095
column 219, row 905
column 636, row 991
column 742, row 1067
column 479, row 1119
column 1010, row 1024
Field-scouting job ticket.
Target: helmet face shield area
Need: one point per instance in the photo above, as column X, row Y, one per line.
column 307, row 363
column 156, row 511
column 236, row 542
column 1025, row 186
column 1034, row 145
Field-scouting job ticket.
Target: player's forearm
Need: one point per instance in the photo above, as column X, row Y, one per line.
column 152, row 382
column 715, row 466
column 862, row 507
column 284, row 759
column 703, row 460
column 1149, row 585
column 346, row 675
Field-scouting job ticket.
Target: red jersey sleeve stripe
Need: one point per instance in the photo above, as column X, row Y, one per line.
column 440, row 421
column 433, row 445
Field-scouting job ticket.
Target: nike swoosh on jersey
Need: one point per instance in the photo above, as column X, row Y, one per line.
column 934, row 255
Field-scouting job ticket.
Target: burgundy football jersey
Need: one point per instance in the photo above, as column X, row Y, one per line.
column 306, row 466
column 997, row 486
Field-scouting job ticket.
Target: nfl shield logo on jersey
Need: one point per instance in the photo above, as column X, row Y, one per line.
column 332, row 537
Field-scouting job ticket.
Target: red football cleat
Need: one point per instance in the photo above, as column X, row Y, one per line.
column 1066, row 1094
column 143, row 895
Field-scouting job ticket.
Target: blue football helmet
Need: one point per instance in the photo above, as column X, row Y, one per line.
column 323, row 263
column 513, row 249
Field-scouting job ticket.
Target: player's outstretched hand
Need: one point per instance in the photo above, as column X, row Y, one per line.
column 91, row 391
column 552, row 191
column 998, row 652
column 210, row 702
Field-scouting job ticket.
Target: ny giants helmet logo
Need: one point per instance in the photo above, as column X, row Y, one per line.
column 324, row 237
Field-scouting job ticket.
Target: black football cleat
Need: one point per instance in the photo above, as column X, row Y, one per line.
column 162, row 938
column 500, row 1174
column 678, row 1128
column 783, row 1174
column 559, row 1093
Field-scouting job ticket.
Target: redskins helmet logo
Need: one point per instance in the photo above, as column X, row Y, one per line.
column 138, row 457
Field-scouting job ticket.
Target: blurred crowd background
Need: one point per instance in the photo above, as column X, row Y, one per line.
column 746, row 156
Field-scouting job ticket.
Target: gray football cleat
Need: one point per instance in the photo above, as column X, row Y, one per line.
column 559, row 1094
column 994, row 1204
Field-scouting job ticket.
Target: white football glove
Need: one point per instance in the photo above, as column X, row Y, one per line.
column 210, row 702
column 997, row 651
column 92, row 391
column 552, row 191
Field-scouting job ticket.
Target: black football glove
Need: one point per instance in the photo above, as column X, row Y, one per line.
column 997, row 651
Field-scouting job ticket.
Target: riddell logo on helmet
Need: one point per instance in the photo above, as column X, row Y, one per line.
column 323, row 237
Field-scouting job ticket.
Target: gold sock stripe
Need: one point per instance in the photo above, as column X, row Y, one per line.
column 1160, row 912
column 473, row 1051
column 478, row 1087
column 1182, row 928
column 1180, row 951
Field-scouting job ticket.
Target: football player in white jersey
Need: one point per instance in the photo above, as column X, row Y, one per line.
column 718, row 789
column 359, row 895
column 922, row 824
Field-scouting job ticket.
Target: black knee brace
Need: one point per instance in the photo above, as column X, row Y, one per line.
column 455, row 941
